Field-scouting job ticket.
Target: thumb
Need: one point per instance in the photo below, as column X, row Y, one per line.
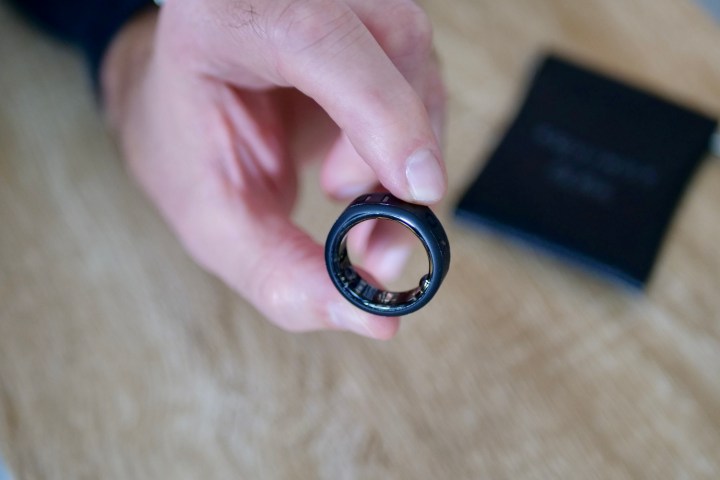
column 278, row 268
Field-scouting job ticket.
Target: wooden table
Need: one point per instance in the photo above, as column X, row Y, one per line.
column 119, row 358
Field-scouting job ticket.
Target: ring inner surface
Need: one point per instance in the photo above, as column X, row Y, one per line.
column 367, row 292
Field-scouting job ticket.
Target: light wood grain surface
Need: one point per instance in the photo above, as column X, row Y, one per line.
column 120, row 359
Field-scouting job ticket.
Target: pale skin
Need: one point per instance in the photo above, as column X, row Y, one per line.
column 205, row 99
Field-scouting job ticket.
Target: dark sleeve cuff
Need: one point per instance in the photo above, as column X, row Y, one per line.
column 90, row 25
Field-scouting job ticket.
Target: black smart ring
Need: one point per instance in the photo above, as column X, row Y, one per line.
column 420, row 220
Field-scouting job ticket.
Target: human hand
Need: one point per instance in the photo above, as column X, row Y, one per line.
column 199, row 99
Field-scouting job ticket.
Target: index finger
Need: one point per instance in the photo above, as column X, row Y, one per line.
column 322, row 48
column 331, row 56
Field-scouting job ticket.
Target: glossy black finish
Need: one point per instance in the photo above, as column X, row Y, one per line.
column 421, row 221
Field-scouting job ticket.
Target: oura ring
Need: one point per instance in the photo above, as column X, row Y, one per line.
column 420, row 220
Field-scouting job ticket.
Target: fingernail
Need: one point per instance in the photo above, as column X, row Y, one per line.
column 347, row 317
column 425, row 177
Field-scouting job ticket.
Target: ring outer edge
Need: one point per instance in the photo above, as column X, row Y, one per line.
column 419, row 219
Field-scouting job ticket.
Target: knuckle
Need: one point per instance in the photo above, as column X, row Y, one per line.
column 414, row 34
column 300, row 24
column 243, row 17
column 276, row 289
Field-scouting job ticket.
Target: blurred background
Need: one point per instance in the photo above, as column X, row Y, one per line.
column 713, row 7
column 120, row 358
